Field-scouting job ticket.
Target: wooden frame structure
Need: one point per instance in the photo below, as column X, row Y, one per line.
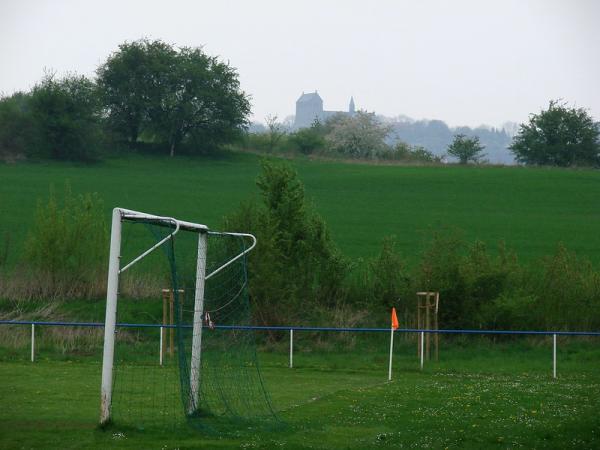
column 168, row 318
column 427, row 319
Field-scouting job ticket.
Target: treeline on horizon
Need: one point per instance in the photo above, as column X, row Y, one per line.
column 149, row 96
column 561, row 136
column 433, row 136
column 298, row 276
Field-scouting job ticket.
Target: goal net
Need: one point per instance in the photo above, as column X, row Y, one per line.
column 207, row 373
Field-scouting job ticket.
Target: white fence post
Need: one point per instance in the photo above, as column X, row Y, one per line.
column 291, row 348
column 422, row 348
column 32, row 342
column 554, row 355
column 160, row 357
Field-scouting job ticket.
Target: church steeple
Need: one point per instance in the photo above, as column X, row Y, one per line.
column 351, row 108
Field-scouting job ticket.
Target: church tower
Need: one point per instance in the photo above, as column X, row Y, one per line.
column 351, row 108
column 308, row 108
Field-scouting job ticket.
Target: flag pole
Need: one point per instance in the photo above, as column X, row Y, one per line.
column 391, row 353
column 392, row 328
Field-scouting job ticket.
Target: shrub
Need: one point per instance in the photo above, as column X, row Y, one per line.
column 67, row 246
column 309, row 140
column 440, row 270
column 567, row 289
column 295, row 266
column 390, row 281
column 467, row 277
column 407, row 153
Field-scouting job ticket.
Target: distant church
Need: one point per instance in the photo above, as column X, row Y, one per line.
column 310, row 107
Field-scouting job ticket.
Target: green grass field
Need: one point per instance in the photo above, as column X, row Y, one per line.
column 530, row 209
column 479, row 396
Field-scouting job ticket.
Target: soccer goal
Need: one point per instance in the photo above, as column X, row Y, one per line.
column 217, row 372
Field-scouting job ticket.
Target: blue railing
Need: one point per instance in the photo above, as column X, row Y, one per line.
column 301, row 328
column 291, row 329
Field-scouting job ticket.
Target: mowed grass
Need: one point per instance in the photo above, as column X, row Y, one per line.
column 530, row 209
column 502, row 398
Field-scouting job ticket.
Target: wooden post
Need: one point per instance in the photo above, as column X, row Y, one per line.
column 422, row 347
column 427, row 319
column 168, row 296
column 171, row 330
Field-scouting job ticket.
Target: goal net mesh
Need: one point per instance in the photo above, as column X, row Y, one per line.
column 230, row 386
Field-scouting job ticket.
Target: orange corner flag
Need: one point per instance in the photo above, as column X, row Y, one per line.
column 394, row 319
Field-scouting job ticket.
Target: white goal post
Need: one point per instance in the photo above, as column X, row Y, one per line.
column 115, row 269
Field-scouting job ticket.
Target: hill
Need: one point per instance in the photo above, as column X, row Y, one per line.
column 530, row 209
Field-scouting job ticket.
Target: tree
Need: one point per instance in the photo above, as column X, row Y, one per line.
column 389, row 274
column 559, row 136
column 16, row 125
column 201, row 99
column 361, row 135
column 295, row 267
column 466, row 149
column 275, row 131
column 66, row 118
column 130, row 81
column 174, row 94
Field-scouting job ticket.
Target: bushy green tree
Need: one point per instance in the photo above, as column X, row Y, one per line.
column 558, row 136
column 296, row 266
column 66, row 118
column 16, row 125
column 174, row 94
column 202, row 99
column 130, row 81
column 466, row 149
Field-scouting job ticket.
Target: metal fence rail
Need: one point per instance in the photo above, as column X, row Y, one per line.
column 292, row 329
column 301, row 328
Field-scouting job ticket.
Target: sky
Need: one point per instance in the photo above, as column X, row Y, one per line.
column 464, row 62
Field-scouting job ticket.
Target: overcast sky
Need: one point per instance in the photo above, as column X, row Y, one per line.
column 465, row 62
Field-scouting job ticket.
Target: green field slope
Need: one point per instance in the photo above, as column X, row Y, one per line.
column 530, row 209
